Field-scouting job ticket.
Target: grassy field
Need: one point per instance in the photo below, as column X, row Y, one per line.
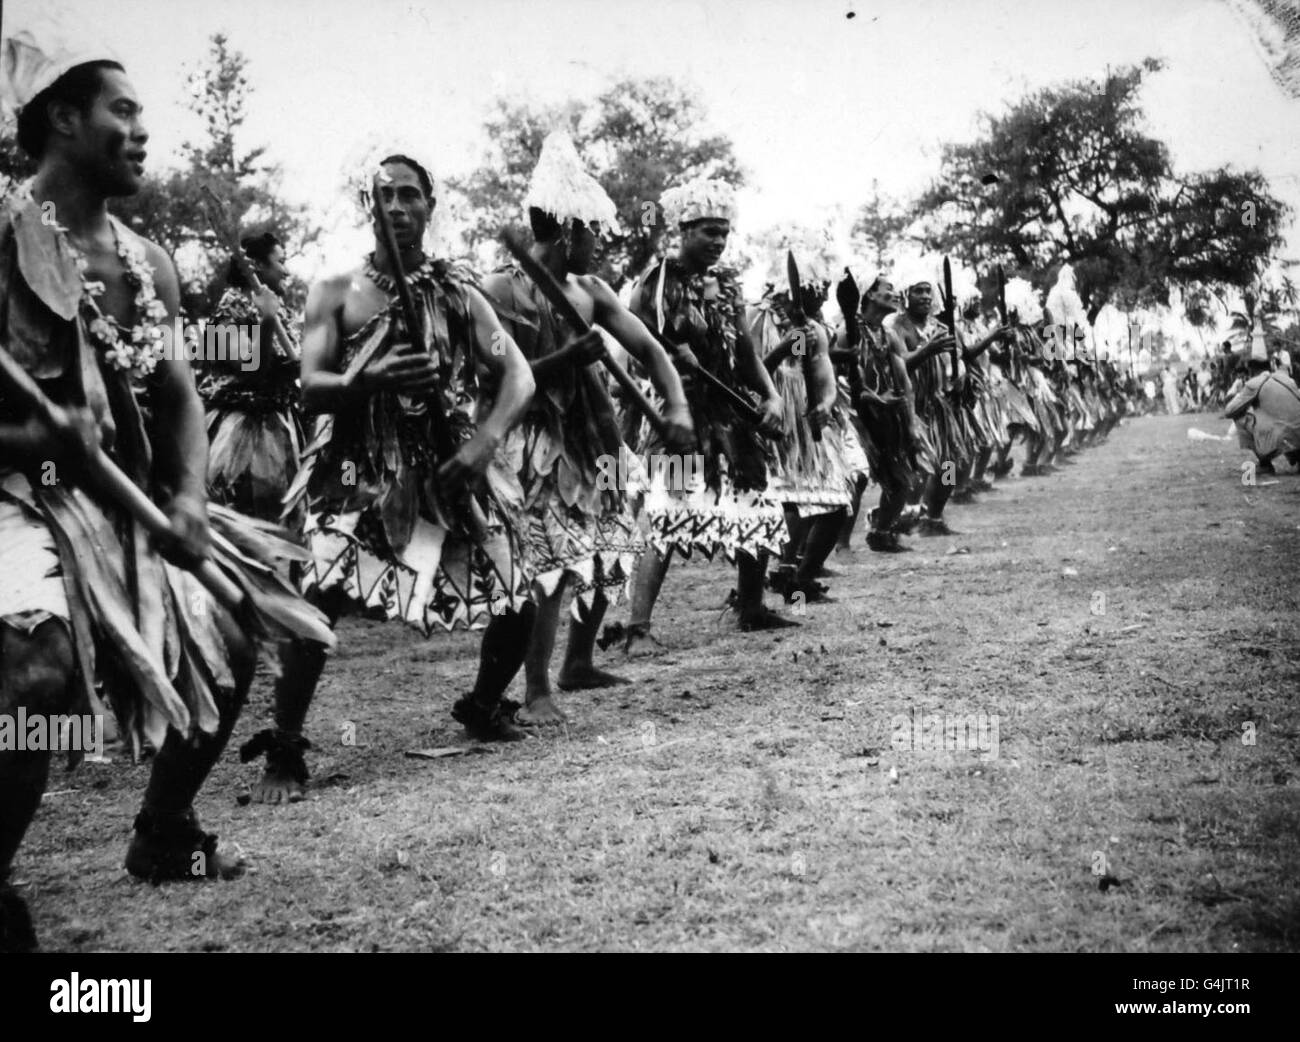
column 1130, row 622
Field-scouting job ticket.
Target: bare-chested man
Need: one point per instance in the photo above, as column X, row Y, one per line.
column 813, row 475
column 580, row 527
column 939, row 404
column 924, row 338
column 86, row 599
column 696, row 305
column 885, row 405
column 392, row 527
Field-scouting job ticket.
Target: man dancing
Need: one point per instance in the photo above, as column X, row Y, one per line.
column 923, row 338
column 87, row 600
column 885, row 405
column 812, row 476
column 696, row 305
column 433, row 542
column 252, row 400
column 572, row 458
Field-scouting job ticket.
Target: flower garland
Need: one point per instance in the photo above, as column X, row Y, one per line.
column 137, row 355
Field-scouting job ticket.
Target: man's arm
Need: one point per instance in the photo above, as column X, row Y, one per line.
column 497, row 352
column 500, row 355
column 181, row 454
column 324, row 388
column 179, row 436
column 638, row 341
column 750, row 368
column 1242, row 400
column 583, row 350
column 822, row 389
column 898, row 363
column 914, row 358
column 970, row 353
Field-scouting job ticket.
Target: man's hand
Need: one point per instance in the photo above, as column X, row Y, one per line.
column 946, row 342
column 588, row 348
column 819, row 416
column 189, row 542
column 683, row 357
column 70, row 439
column 680, row 435
column 772, row 416
column 470, row 461
column 869, row 401
column 268, row 304
column 405, row 368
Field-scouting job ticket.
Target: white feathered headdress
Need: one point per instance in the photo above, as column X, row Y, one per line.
column 697, row 200
column 1065, row 304
column 965, row 286
column 1023, row 299
column 864, row 273
column 33, row 58
column 814, row 254
column 562, row 187
column 912, row 267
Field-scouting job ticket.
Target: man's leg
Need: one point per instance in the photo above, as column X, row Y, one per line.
column 851, row 521
column 539, row 708
column 798, row 529
column 301, row 665
column 754, row 614
column 501, row 654
column 823, row 531
column 962, row 491
column 883, row 536
column 168, row 842
column 937, row 493
column 978, row 482
column 579, row 673
column 651, row 571
column 782, row 578
column 36, row 674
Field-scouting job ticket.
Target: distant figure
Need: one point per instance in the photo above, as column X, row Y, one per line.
column 1282, row 362
column 1170, row 389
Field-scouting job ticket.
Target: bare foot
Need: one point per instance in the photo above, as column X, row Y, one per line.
column 764, row 618
column 278, row 787
column 541, row 712
column 585, row 678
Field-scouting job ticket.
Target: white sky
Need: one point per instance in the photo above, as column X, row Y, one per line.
column 817, row 104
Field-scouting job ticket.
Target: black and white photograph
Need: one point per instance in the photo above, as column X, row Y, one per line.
column 698, row 476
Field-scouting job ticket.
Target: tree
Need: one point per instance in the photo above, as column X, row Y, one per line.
column 639, row 138
column 172, row 207
column 1068, row 174
column 879, row 226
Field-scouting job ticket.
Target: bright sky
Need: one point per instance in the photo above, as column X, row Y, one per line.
column 818, row 104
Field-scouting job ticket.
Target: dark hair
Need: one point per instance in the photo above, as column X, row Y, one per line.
column 545, row 227
column 79, row 86
column 259, row 248
column 424, row 177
